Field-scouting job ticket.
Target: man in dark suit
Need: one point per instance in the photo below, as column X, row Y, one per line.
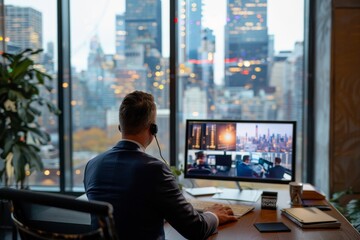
column 141, row 188
column 200, row 165
column 277, row 171
column 244, row 168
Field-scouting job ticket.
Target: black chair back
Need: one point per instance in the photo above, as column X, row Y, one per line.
column 39, row 215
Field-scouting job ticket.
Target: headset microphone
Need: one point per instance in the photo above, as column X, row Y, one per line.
column 153, row 131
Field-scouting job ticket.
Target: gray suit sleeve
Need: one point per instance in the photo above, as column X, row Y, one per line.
column 212, row 221
column 180, row 214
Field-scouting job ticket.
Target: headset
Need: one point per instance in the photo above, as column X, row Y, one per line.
column 153, row 131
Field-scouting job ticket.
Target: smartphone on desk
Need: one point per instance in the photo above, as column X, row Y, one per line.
column 272, row 227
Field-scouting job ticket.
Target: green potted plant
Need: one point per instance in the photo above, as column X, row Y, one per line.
column 177, row 173
column 23, row 87
column 347, row 202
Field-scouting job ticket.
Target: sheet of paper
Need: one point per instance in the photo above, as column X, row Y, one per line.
column 201, row 191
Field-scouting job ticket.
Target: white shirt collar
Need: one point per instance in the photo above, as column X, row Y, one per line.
column 137, row 143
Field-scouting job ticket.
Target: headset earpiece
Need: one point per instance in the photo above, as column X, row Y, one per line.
column 153, row 129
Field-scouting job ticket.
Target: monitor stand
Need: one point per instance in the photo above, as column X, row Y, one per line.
column 239, row 194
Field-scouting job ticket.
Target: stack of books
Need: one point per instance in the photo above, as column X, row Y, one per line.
column 310, row 217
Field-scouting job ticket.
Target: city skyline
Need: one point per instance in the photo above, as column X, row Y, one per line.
column 249, row 129
column 249, row 49
column 100, row 21
column 98, row 89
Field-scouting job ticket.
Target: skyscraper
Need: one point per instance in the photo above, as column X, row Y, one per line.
column 193, row 28
column 143, row 33
column 120, row 36
column 143, row 23
column 246, row 49
column 204, row 69
column 23, row 27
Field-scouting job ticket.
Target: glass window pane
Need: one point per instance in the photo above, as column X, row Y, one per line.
column 33, row 24
column 117, row 46
column 240, row 59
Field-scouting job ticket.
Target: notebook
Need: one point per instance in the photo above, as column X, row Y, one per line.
column 311, row 217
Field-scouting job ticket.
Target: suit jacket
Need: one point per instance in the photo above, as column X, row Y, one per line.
column 276, row 172
column 244, row 170
column 144, row 193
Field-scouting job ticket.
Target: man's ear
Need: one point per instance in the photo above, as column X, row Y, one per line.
column 119, row 127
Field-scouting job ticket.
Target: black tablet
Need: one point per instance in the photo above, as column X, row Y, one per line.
column 272, row 227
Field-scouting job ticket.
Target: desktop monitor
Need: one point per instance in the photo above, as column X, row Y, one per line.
column 250, row 149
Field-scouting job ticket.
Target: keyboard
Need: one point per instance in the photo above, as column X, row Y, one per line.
column 239, row 210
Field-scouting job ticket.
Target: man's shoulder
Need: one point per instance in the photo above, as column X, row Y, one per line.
column 279, row 167
column 116, row 154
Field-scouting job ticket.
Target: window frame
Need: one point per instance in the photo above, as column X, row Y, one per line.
column 64, row 95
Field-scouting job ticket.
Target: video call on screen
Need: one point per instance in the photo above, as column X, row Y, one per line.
column 223, row 146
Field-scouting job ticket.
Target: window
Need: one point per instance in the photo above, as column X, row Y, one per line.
column 246, row 63
column 234, row 60
column 117, row 47
column 33, row 24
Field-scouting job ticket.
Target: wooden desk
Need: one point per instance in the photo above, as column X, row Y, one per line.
column 244, row 228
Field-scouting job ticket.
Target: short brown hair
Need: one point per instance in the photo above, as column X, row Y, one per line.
column 199, row 154
column 277, row 160
column 136, row 112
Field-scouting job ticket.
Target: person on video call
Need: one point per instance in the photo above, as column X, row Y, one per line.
column 244, row 169
column 277, row 171
column 200, row 161
column 200, row 166
column 140, row 187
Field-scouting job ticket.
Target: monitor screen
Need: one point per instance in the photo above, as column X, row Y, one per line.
column 237, row 150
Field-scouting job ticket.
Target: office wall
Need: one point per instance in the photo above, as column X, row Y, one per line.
column 336, row 95
column 345, row 97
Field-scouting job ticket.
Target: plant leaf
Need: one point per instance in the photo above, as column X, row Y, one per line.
column 25, row 115
column 27, row 50
column 36, row 51
column 34, row 110
column 34, row 158
column 39, row 135
column 18, row 162
column 7, row 148
column 40, row 77
column 1, row 174
column 21, row 69
column 353, row 209
column 14, row 95
column 336, row 196
column 52, row 108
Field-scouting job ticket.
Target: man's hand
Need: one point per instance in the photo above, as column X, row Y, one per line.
column 224, row 213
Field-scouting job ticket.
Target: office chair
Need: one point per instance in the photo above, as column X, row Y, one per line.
column 223, row 162
column 39, row 215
